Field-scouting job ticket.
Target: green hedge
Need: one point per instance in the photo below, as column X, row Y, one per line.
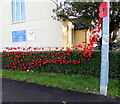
column 89, row 67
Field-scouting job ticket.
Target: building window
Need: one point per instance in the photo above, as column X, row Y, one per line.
column 18, row 11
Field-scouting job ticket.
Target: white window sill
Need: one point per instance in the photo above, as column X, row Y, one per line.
column 18, row 22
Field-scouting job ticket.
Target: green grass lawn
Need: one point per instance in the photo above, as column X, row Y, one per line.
column 86, row 84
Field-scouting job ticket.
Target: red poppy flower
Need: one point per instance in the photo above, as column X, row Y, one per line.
column 56, row 48
column 41, row 56
column 84, row 42
column 4, row 51
column 18, row 47
column 103, row 10
column 42, row 48
column 15, row 59
column 60, row 49
column 24, row 67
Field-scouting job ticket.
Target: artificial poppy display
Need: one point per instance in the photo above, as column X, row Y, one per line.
column 103, row 10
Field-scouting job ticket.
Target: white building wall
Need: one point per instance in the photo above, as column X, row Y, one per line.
column 47, row 32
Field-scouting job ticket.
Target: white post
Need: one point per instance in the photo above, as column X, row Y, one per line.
column 105, row 54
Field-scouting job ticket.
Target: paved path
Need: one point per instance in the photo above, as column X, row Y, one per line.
column 20, row 91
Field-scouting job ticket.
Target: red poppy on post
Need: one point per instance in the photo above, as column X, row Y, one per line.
column 103, row 10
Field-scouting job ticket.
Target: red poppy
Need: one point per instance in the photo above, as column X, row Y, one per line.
column 24, row 67
column 56, row 48
column 15, row 59
column 41, row 56
column 18, row 47
column 42, row 48
column 84, row 42
column 103, row 10
column 4, row 51
column 34, row 56
column 52, row 56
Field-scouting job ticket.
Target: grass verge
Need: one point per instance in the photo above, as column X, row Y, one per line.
column 86, row 84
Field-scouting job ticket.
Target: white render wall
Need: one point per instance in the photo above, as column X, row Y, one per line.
column 47, row 32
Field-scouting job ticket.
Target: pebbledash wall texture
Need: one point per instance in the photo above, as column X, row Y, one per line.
column 26, row 23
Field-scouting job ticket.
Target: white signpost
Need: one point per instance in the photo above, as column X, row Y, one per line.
column 105, row 53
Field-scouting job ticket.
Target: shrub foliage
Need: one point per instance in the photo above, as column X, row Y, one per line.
column 80, row 63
